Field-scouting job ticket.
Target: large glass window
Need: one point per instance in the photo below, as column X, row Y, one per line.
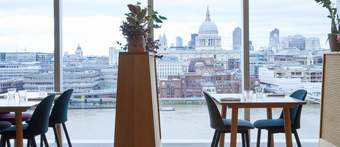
column 26, row 42
column 199, row 53
column 90, row 56
column 289, row 43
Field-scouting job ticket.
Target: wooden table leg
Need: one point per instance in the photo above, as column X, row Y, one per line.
column 59, row 133
column 288, row 126
column 270, row 116
column 224, row 116
column 233, row 133
column 19, row 131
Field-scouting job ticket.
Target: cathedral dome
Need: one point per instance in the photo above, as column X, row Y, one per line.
column 208, row 27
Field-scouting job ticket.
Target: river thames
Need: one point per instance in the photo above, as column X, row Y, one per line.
column 187, row 122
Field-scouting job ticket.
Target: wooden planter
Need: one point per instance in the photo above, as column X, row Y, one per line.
column 136, row 43
column 137, row 109
column 333, row 42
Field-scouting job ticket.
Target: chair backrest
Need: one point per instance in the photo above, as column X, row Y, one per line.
column 216, row 121
column 295, row 113
column 60, row 108
column 39, row 120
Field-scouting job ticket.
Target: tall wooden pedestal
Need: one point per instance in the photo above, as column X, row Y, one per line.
column 137, row 115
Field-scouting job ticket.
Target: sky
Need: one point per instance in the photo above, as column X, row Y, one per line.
column 94, row 25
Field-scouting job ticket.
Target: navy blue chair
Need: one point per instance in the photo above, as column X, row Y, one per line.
column 38, row 125
column 277, row 125
column 224, row 125
column 59, row 115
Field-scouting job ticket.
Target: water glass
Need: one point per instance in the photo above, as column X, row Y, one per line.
column 11, row 95
column 247, row 95
column 22, row 96
column 259, row 92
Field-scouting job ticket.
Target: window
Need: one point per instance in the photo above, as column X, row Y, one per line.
column 90, row 56
column 26, row 38
column 199, row 53
column 288, row 48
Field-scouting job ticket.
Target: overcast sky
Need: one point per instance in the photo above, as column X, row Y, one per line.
column 94, row 24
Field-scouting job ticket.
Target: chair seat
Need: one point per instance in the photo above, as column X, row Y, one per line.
column 269, row 124
column 241, row 124
column 4, row 125
column 11, row 131
column 11, row 117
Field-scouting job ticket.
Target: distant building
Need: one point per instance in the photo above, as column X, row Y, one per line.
column 192, row 44
column 179, row 41
column 163, row 41
column 208, row 38
column 251, row 46
column 237, row 38
column 274, row 40
column 79, row 51
column 296, row 41
column 312, row 43
column 10, row 83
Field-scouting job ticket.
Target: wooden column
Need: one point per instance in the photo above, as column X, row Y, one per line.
column 137, row 119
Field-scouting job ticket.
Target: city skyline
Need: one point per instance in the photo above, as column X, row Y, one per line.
column 24, row 26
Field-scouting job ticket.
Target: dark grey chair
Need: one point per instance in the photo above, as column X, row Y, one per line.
column 223, row 125
column 277, row 125
column 38, row 125
column 59, row 115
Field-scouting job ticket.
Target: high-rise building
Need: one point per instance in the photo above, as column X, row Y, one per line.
column 192, row 44
column 312, row 43
column 296, row 41
column 163, row 42
column 208, row 38
column 274, row 40
column 179, row 41
column 237, row 38
column 338, row 5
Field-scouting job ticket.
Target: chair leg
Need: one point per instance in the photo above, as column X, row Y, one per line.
column 28, row 142
column 56, row 136
column 269, row 141
column 247, row 139
column 8, row 143
column 297, row 138
column 41, row 141
column 45, row 140
column 214, row 139
column 258, row 142
column 243, row 139
column 217, row 138
column 34, row 144
column 3, row 141
column 67, row 136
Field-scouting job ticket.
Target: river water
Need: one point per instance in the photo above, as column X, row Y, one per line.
column 186, row 122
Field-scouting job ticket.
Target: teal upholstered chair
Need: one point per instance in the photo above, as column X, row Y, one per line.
column 277, row 125
column 59, row 114
column 38, row 125
column 223, row 125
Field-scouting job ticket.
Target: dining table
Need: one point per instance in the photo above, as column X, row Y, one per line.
column 17, row 108
column 237, row 101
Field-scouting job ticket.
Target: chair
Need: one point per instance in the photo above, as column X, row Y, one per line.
column 59, row 115
column 277, row 125
column 223, row 125
column 38, row 125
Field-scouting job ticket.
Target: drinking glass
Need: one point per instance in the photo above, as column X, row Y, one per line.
column 259, row 92
column 11, row 95
column 247, row 95
column 22, row 96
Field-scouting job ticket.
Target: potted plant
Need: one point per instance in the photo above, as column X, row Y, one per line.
column 333, row 37
column 136, row 28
